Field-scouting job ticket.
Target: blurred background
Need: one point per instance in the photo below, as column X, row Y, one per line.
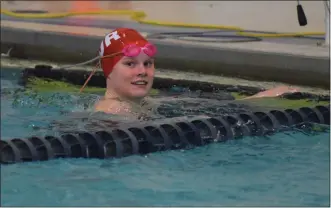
column 271, row 16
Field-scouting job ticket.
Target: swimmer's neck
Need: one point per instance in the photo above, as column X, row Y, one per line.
column 110, row 94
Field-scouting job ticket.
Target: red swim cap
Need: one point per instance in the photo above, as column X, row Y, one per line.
column 114, row 42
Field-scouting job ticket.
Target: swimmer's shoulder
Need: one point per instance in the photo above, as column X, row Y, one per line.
column 104, row 104
column 112, row 106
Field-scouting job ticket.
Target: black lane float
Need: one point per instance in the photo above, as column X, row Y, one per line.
column 160, row 135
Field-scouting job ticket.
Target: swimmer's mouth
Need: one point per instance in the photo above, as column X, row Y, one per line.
column 140, row 82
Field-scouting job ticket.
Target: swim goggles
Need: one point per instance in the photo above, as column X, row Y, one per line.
column 132, row 50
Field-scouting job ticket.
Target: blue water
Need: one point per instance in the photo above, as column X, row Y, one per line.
column 286, row 169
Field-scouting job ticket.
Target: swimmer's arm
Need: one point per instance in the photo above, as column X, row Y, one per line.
column 274, row 92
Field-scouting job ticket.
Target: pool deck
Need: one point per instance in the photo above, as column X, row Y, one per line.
column 290, row 60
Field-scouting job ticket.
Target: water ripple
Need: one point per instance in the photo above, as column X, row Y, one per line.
column 285, row 169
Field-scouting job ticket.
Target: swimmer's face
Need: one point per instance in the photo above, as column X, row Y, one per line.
column 132, row 77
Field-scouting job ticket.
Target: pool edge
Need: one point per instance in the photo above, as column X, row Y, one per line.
column 225, row 61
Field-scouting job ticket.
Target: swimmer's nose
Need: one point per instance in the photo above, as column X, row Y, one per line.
column 141, row 70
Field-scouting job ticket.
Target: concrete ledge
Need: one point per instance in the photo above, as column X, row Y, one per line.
column 293, row 68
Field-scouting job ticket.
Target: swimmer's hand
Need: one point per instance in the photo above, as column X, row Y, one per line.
column 274, row 92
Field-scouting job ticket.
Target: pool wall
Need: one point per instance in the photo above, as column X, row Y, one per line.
column 290, row 63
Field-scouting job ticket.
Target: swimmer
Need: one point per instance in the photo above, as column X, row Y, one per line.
column 127, row 61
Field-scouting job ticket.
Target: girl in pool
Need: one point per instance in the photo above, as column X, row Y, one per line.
column 127, row 61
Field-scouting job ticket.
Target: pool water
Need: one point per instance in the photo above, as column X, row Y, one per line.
column 285, row 169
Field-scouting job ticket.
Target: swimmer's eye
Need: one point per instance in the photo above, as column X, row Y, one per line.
column 130, row 63
column 148, row 63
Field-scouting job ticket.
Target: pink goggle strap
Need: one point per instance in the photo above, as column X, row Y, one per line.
column 98, row 65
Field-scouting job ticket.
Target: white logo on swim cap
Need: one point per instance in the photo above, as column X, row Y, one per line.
column 111, row 36
column 102, row 49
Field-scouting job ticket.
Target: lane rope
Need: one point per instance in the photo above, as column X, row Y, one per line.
column 162, row 135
